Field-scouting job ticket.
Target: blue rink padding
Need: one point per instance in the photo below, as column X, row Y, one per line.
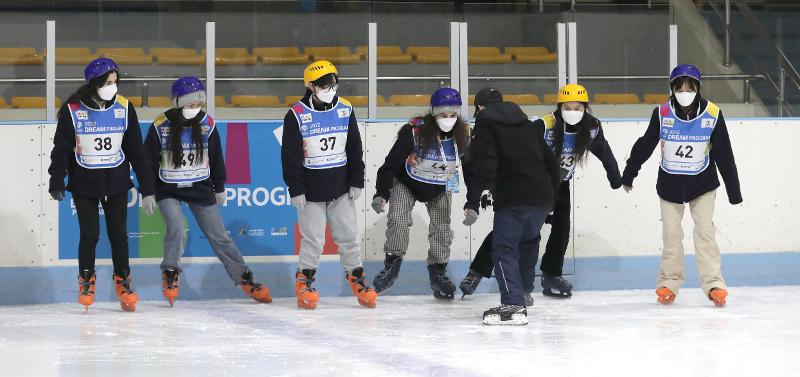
column 42, row 285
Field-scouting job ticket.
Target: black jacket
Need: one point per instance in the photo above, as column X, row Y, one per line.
column 394, row 167
column 201, row 192
column 320, row 185
column 597, row 146
column 511, row 158
column 678, row 188
column 95, row 183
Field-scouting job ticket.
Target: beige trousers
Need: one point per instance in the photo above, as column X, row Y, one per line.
column 705, row 245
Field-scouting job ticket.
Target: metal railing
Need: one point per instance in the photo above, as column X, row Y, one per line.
column 746, row 79
column 785, row 67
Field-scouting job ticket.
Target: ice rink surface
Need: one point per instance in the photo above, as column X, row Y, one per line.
column 608, row 333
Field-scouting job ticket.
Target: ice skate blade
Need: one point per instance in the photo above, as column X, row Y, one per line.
column 495, row 320
column 556, row 293
column 443, row 296
column 367, row 304
column 128, row 307
column 306, row 305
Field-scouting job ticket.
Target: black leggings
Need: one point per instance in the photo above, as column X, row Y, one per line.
column 553, row 258
column 115, row 209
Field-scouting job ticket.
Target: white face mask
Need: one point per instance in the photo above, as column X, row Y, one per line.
column 107, row 92
column 446, row 124
column 572, row 117
column 685, row 98
column 190, row 113
column 326, row 96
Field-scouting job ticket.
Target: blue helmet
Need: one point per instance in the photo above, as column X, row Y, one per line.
column 685, row 70
column 99, row 67
column 445, row 97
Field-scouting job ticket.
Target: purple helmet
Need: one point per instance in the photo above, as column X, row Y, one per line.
column 445, row 97
column 685, row 70
column 188, row 90
column 187, row 85
column 99, row 67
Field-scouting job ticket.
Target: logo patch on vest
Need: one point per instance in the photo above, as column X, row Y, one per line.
column 82, row 114
column 343, row 113
column 707, row 123
column 668, row 122
column 119, row 113
column 305, row 118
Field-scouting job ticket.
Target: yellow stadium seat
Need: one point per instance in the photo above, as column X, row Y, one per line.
column 386, row 54
column 532, row 55
column 232, row 56
column 255, row 101
column 126, row 56
column 410, row 99
column 177, row 56
column 657, row 99
column 219, row 101
column 20, row 56
column 136, row 101
column 550, row 99
column 291, row 100
column 280, row 55
column 364, row 100
column 487, row 55
column 523, row 99
column 3, row 104
column 73, row 55
column 32, row 102
column 430, row 55
column 616, row 98
column 159, row 101
column 336, row 55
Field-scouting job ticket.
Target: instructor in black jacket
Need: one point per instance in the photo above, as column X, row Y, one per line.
column 513, row 162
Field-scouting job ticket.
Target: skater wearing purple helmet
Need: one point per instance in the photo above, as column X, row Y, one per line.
column 694, row 143
column 195, row 175
column 423, row 165
column 97, row 140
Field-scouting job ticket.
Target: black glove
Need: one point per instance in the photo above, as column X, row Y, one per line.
column 548, row 219
column 57, row 195
column 486, row 199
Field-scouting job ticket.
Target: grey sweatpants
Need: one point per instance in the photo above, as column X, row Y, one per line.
column 440, row 236
column 210, row 221
column 340, row 214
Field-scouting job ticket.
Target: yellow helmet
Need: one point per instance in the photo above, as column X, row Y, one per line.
column 318, row 69
column 573, row 92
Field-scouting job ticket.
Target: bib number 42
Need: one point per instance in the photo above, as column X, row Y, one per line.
column 684, row 151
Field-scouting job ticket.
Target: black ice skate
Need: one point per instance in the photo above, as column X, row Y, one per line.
column 556, row 286
column 441, row 285
column 506, row 315
column 470, row 283
column 391, row 269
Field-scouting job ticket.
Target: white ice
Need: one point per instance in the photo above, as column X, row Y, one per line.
column 619, row 333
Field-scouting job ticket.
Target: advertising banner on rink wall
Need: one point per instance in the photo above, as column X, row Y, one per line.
column 257, row 212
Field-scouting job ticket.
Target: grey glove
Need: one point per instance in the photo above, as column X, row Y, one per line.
column 378, row 204
column 470, row 216
column 354, row 193
column 57, row 195
column 299, row 201
column 220, row 197
column 149, row 205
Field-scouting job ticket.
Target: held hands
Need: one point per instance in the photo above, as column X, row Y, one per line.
column 354, row 193
column 149, row 205
column 57, row 195
column 627, row 188
column 470, row 216
column 220, row 197
column 378, row 204
column 299, row 201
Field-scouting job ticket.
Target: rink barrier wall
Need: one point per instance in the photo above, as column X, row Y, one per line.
column 615, row 240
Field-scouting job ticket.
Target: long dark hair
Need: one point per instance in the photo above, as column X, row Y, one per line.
column 176, row 125
column 584, row 128
column 89, row 90
column 428, row 137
